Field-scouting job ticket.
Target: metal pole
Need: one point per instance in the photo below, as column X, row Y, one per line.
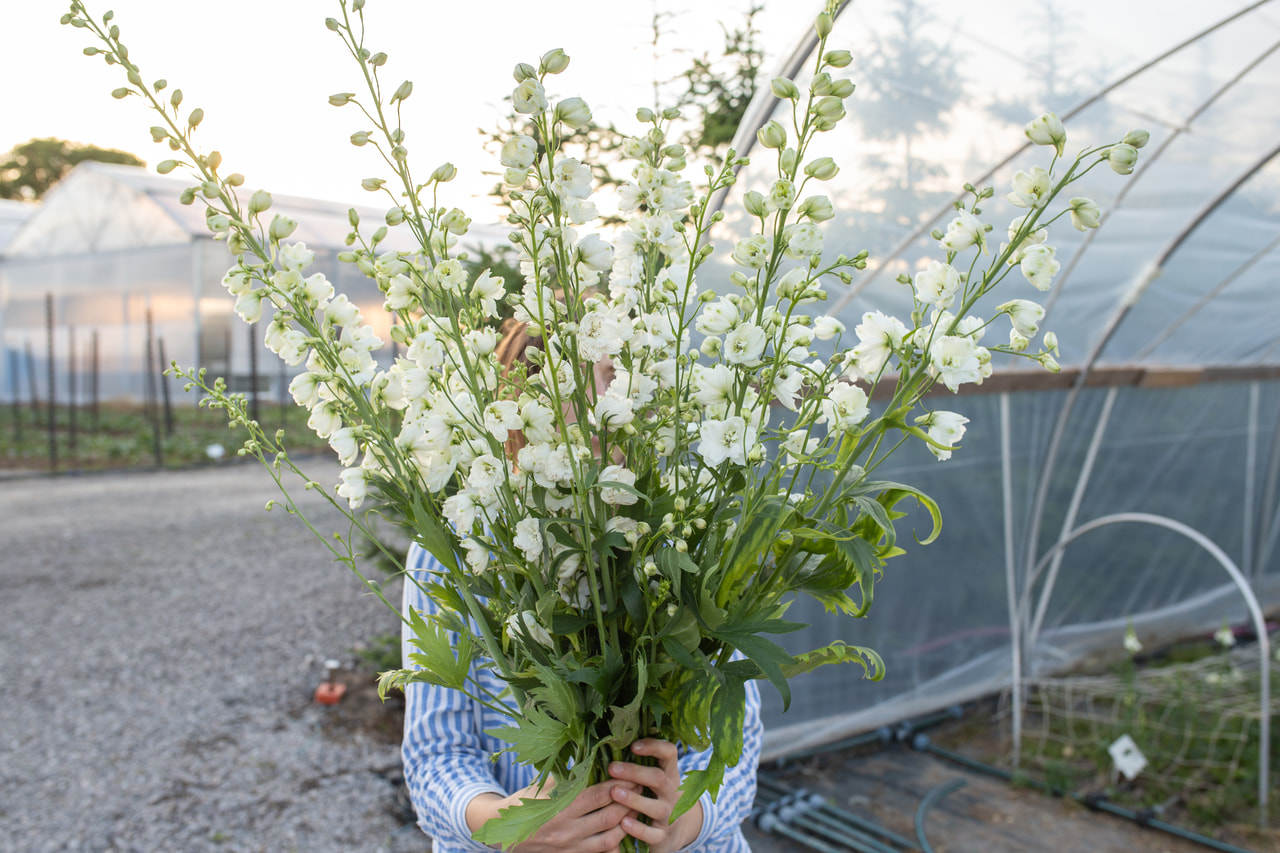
column 53, row 434
column 71, row 387
column 150, row 386
column 163, row 379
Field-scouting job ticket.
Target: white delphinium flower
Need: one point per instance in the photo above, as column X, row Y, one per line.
column 237, row 281
column 325, row 419
column 518, row 152
column 799, row 445
column 488, row 289
column 305, row 389
column 879, row 336
column 964, row 231
column 945, row 428
column 570, row 178
column 787, row 385
column 486, row 477
column 827, row 327
column 341, row 311
column 481, row 341
column 1024, row 314
column 355, row 486
column 449, row 275
column 730, row 438
column 501, row 417
column 296, row 256
column 1224, row 636
column 1030, row 189
column 1039, row 266
column 593, row 252
column 713, row 387
column 937, row 284
column 529, row 97
column 955, row 360
column 782, row 195
column 753, row 252
column 548, row 465
column 804, row 240
column 844, row 406
column 1034, row 237
column 538, row 422
column 528, row 538
column 460, row 510
column 344, row 443
column 249, row 305
column 602, row 332
column 477, row 555
column 1132, row 644
column 612, row 412
column 717, row 317
column 525, row 624
column 745, row 345
column 1047, row 130
column 636, row 386
column 615, row 496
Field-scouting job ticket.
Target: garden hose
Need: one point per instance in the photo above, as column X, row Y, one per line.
column 930, row 800
column 1093, row 801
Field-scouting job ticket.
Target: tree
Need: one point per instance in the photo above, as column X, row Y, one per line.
column 30, row 169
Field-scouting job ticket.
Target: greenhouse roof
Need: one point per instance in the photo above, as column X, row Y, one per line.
column 12, row 215
column 1180, row 283
column 103, row 207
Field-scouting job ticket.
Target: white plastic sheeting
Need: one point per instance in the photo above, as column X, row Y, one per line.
column 1169, row 399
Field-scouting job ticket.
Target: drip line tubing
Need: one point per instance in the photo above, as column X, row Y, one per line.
column 930, row 800
column 1094, row 801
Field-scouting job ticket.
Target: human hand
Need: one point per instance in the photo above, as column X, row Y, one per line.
column 662, row 783
column 589, row 824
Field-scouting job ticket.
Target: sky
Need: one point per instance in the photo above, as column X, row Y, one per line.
column 263, row 70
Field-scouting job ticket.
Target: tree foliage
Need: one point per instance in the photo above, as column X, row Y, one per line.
column 30, row 169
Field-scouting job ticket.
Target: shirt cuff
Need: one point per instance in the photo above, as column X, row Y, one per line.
column 458, row 814
column 708, row 822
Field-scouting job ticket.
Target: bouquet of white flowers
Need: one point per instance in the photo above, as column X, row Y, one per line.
column 610, row 545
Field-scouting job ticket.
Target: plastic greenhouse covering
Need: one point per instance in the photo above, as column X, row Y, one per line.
column 1168, row 402
column 1168, row 317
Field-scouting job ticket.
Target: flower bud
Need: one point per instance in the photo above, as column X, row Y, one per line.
column 360, row 137
column 784, row 89
column 1047, row 130
column 524, row 71
column 822, row 24
column 554, row 61
column 644, row 115
column 332, row 24
column 281, row 227
column 573, row 112
column 1051, row 342
column 259, row 201
column 196, row 116
column 822, row 169
column 395, row 216
column 842, row 88
column 378, row 60
column 820, row 85
column 372, row 184
column 529, row 97
column 341, row 99
column 1136, row 138
column 444, row 173
column 830, row 108
column 753, row 201
column 772, row 135
column 838, row 58
column 788, row 160
column 816, row 209
column 164, row 167
column 1121, row 158
column 122, row 92
column 406, row 89
column 1085, row 214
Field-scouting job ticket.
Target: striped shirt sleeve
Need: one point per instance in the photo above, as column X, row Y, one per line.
column 447, row 762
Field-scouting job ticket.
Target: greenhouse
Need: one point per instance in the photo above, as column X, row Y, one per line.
column 1137, row 489
column 113, row 257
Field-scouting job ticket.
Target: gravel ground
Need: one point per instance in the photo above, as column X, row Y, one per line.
column 160, row 639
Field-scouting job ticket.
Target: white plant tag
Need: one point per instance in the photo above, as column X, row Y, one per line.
column 1128, row 759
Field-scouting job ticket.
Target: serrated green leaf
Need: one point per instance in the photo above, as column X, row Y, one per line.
column 519, row 822
column 838, row 652
column 536, row 738
column 445, row 660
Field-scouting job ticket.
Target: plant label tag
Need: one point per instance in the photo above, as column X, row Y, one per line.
column 1128, row 759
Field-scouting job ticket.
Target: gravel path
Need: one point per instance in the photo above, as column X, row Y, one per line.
column 160, row 638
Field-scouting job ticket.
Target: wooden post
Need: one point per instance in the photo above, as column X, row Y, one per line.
column 53, row 433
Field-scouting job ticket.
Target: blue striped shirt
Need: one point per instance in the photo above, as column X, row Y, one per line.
column 449, row 759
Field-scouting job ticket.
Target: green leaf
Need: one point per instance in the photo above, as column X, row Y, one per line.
column 755, row 535
column 536, row 738
column 728, row 720
column 768, row 655
column 698, row 782
column 838, row 652
column 519, row 822
column 445, row 660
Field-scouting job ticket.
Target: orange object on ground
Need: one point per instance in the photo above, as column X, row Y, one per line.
column 330, row 692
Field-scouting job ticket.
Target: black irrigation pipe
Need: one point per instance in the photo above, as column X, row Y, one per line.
column 1093, row 801
column 930, row 800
